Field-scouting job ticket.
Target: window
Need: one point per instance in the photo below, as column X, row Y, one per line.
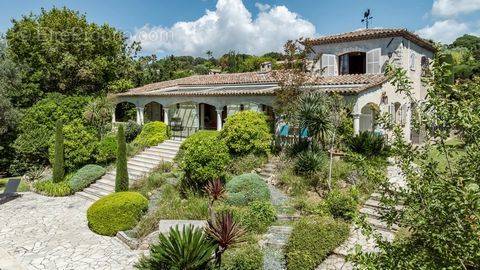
column 412, row 61
column 329, row 65
column 352, row 63
column 373, row 61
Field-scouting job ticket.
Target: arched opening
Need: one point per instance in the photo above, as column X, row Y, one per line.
column 153, row 112
column 352, row 63
column 368, row 117
column 268, row 111
column 397, row 113
column 208, row 116
column 125, row 111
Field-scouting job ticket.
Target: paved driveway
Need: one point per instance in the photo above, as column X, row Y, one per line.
column 52, row 233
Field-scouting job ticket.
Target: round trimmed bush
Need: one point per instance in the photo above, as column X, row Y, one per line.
column 203, row 157
column 106, row 149
column 247, row 132
column 246, row 188
column 85, row 176
column 116, row 212
column 153, row 133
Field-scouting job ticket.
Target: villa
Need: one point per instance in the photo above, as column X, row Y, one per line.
column 351, row 64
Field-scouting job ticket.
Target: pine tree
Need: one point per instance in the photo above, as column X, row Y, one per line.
column 58, row 164
column 121, row 178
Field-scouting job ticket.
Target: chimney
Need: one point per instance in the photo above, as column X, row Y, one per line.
column 266, row 66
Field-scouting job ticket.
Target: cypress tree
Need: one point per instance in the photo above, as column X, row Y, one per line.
column 121, row 178
column 58, row 164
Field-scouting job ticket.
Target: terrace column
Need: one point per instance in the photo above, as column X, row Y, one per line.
column 113, row 117
column 140, row 115
column 202, row 116
column 356, row 124
column 165, row 115
column 219, row 118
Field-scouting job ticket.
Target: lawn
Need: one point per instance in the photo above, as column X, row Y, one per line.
column 455, row 150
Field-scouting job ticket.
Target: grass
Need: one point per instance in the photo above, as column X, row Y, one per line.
column 23, row 187
column 455, row 150
column 154, row 181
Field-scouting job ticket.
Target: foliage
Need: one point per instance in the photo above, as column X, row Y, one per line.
column 314, row 114
column 312, row 240
column 37, row 125
column 368, row 144
column 154, row 180
column 215, row 191
column 310, row 162
column 152, row 134
column 245, row 257
column 98, row 113
column 119, row 211
column 172, row 205
column 58, row 164
column 247, row 132
column 121, row 176
column 187, row 249
column 50, row 188
column 132, row 129
column 296, row 148
column 258, row 216
column 79, row 145
column 204, row 157
column 64, row 53
column 246, row 188
column 85, row 176
column 106, row 149
column 246, row 164
column 342, row 204
column 441, row 206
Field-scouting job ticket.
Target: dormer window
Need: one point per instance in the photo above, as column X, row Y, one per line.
column 353, row 63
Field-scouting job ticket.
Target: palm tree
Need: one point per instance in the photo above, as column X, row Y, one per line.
column 314, row 114
column 99, row 113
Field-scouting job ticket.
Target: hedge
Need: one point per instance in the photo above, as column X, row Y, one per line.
column 50, row 188
column 313, row 238
column 85, row 176
column 116, row 212
column 203, row 157
column 247, row 132
column 152, row 134
column 106, row 149
column 246, row 188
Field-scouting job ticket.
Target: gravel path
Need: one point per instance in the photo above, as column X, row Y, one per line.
column 51, row 233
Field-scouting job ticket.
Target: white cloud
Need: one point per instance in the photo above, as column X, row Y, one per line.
column 445, row 31
column 262, row 7
column 229, row 27
column 450, row 8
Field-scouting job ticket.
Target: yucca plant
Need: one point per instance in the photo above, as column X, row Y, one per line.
column 225, row 232
column 215, row 191
column 185, row 249
column 368, row 144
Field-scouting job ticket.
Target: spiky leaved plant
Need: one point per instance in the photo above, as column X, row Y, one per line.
column 225, row 232
column 186, row 249
column 215, row 191
column 59, row 162
column 121, row 178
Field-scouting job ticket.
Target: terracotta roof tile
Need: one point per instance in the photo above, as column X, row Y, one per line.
column 373, row 34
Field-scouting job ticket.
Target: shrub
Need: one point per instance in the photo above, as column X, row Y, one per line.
column 204, row 157
column 58, row 165
column 185, row 248
column 245, row 257
column 80, row 145
column 132, row 129
column 258, row 216
column 246, row 164
column 116, row 212
column 310, row 162
column 247, row 132
column 342, row 204
column 121, row 176
column 152, row 134
column 37, row 125
column 312, row 240
column 368, row 144
column 297, row 148
column 106, row 149
column 85, row 176
column 50, row 188
column 247, row 188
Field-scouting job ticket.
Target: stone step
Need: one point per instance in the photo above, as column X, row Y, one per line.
column 153, row 161
column 105, row 184
column 155, row 157
column 166, row 148
column 96, row 192
column 265, row 175
column 102, row 188
column 379, row 224
column 277, row 236
column 131, row 175
column 160, row 152
column 87, row 196
column 371, row 212
column 138, row 168
column 288, row 217
column 373, row 203
column 149, row 165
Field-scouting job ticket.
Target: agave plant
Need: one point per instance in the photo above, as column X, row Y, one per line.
column 185, row 249
column 225, row 232
column 215, row 191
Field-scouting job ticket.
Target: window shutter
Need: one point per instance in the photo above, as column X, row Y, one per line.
column 329, row 65
column 373, row 61
column 335, row 65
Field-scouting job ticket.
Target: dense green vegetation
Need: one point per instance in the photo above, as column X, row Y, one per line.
column 58, row 165
column 85, row 176
column 121, row 176
column 152, row 134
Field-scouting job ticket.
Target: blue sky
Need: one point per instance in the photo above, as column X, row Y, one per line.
column 256, row 26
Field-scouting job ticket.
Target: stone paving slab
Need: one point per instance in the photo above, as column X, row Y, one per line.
column 52, row 233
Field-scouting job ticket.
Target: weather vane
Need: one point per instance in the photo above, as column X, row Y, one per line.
column 367, row 18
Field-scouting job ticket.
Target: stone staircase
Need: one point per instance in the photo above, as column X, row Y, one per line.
column 138, row 167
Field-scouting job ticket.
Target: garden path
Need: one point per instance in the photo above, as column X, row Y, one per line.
column 52, row 233
column 336, row 261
